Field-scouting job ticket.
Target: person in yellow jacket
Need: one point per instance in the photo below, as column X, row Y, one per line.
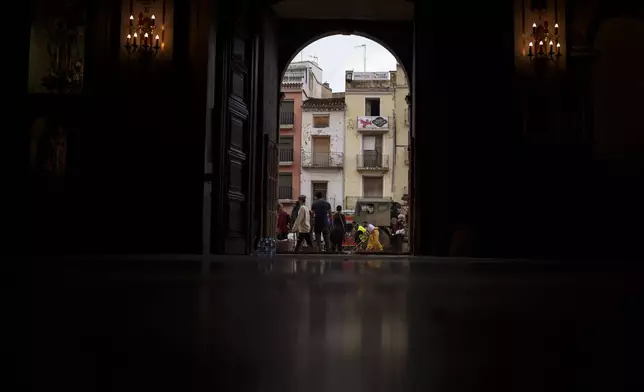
column 373, row 244
column 361, row 236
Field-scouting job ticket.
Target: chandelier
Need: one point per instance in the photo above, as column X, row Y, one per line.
column 544, row 44
column 143, row 36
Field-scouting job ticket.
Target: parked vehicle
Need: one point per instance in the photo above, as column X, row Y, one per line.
column 378, row 212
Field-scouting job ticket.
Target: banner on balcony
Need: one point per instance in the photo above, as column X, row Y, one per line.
column 373, row 122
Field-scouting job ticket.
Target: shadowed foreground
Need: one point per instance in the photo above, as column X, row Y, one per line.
column 339, row 324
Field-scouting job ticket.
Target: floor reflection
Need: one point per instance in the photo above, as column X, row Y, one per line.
column 304, row 266
column 337, row 324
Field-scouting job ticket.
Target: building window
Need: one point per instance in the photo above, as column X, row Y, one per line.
column 320, row 121
column 321, row 151
column 286, row 149
column 372, row 151
column 372, row 186
column 287, row 113
column 319, row 186
column 372, row 107
column 285, row 187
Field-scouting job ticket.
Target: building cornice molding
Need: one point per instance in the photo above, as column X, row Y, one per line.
column 292, row 86
column 322, row 109
column 358, row 91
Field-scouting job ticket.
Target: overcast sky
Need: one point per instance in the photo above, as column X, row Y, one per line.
column 338, row 53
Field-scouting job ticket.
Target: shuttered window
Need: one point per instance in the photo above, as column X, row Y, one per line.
column 372, row 186
column 320, row 120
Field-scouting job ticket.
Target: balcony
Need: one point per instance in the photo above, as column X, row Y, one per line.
column 323, row 160
column 372, row 124
column 286, row 155
column 373, row 162
column 285, row 192
column 287, row 119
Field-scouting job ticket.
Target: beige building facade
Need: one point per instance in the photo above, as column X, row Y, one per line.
column 376, row 138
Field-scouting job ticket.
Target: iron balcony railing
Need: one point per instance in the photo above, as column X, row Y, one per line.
column 285, row 192
column 286, row 154
column 287, row 118
column 322, row 159
column 373, row 161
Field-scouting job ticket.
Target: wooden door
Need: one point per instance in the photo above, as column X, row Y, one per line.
column 233, row 134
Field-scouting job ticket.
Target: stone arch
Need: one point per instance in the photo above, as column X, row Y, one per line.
column 396, row 37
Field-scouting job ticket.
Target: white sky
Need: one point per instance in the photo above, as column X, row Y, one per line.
column 338, row 53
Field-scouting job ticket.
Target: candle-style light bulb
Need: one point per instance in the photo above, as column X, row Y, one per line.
column 156, row 43
column 556, row 28
column 530, row 49
column 540, row 46
column 153, row 21
column 131, row 20
column 558, row 48
column 534, row 28
column 145, row 38
column 134, row 40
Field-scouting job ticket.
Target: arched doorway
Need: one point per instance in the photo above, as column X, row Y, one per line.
column 322, row 148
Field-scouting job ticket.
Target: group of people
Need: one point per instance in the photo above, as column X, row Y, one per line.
column 328, row 227
column 320, row 220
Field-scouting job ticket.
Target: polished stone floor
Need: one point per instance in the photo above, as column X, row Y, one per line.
column 311, row 324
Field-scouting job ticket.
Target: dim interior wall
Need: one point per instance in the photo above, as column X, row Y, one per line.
column 618, row 91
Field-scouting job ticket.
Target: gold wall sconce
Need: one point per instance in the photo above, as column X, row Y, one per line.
column 540, row 36
column 144, row 35
column 544, row 44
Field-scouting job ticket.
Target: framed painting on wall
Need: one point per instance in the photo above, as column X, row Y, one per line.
column 57, row 46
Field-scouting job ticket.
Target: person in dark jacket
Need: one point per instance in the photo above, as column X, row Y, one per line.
column 338, row 229
column 321, row 210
